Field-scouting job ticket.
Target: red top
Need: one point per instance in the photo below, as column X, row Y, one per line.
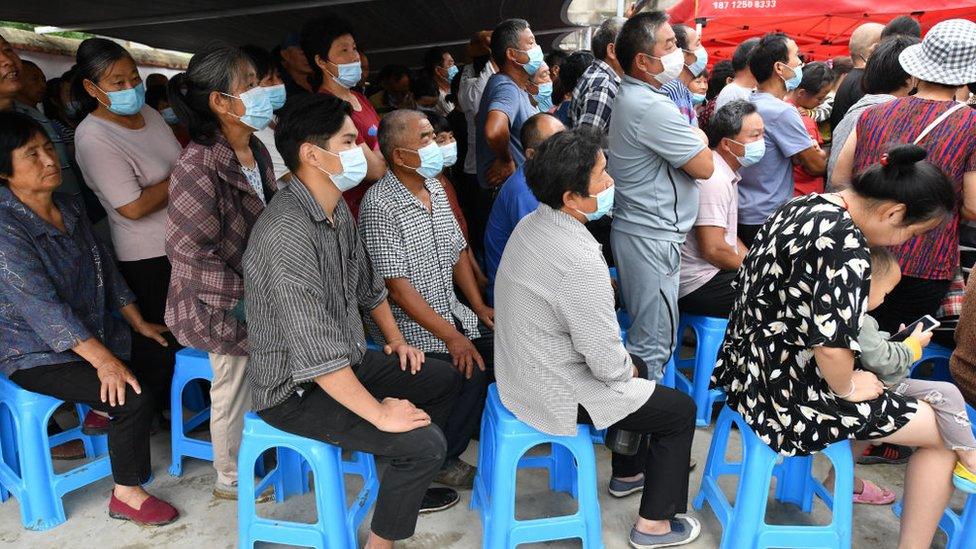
column 951, row 146
column 368, row 124
column 804, row 183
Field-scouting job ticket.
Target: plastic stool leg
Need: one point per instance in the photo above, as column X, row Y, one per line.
column 749, row 512
column 289, row 475
column 326, row 463
column 589, row 503
column 562, row 473
column 176, row 426
column 502, row 496
column 709, row 342
column 842, row 506
column 795, row 482
column 41, row 507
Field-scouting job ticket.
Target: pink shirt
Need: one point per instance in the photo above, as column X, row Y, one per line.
column 717, row 207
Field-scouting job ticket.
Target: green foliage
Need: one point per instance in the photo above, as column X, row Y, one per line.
column 28, row 27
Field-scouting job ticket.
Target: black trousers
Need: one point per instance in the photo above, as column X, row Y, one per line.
column 667, row 420
column 128, row 432
column 747, row 233
column 151, row 363
column 415, row 457
column 715, row 298
column 911, row 299
column 465, row 419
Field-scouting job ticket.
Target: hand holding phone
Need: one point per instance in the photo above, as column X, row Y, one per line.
column 924, row 325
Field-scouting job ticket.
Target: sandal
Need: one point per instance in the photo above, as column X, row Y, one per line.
column 872, row 494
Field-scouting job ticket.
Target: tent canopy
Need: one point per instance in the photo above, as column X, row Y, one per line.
column 388, row 31
column 821, row 29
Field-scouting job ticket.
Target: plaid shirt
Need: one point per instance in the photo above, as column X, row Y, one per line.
column 212, row 209
column 405, row 240
column 593, row 97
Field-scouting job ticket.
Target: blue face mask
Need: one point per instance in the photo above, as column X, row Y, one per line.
column 701, row 61
column 754, row 152
column 452, row 72
column 544, row 97
column 431, row 161
column 169, row 116
column 349, row 74
column 449, row 153
column 277, row 95
column 794, row 83
column 604, row 203
column 126, row 102
column 536, row 58
column 257, row 107
column 697, row 98
column 353, row 168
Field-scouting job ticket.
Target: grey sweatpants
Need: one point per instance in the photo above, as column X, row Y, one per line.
column 949, row 407
column 648, row 271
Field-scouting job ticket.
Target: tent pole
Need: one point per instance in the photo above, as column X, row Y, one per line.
column 620, row 7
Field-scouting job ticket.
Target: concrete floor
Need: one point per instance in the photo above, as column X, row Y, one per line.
column 211, row 524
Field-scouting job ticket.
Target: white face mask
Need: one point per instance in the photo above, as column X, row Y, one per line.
column 673, row 63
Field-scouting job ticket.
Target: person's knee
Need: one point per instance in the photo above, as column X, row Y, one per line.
column 136, row 404
column 684, row 408
column 941, row 393
column 426, row 444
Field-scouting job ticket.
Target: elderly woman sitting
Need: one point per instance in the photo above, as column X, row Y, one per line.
column 58, row 290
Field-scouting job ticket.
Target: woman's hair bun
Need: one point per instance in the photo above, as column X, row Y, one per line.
column 904, row 155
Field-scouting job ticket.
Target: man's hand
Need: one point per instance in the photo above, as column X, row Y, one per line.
column 409, row 356
column 486, row 315
column 499, row 171
column 114, row 376
column 400, row 416
column 464, row 355
column 153, row 331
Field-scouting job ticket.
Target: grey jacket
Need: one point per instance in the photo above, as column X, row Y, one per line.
column 889, row 360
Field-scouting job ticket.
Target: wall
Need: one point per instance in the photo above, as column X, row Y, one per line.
column 56, row 65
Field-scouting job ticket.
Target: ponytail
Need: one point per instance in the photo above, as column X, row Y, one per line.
column 903, row 175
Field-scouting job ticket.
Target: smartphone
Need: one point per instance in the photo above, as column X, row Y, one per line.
column 928, row 324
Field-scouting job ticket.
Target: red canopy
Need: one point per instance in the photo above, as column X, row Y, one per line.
column 821, row 28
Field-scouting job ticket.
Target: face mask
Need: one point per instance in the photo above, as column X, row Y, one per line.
column 257, row 108
column 701, row 60
column 452, row 72
column 126, row 102
column 535, row 60
column 697, row 98
column 604, row 203
column 353, row 168
column 277, row 95
column 673, row 63
column 544, row 97
column 169, row 116
column 449, row 153
column 72, row 108
column 431, row 161
column 349, row 74
column 753, row 152
column 794, row 83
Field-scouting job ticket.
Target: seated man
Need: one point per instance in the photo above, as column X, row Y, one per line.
column 515, row 200
column 560, row 358
column 416, row 245
column 713, row 253
column 308, row 280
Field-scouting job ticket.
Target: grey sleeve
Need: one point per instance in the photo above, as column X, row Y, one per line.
column 889, row 360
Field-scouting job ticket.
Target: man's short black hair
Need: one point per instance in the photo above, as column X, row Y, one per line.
column 308, row 118
column 605, row 35
column 883, row 72
column 530, row 136
column 770, row 49
column 506, row 35
column 563, row 163
column 816, row 77
column 556, row 57
column 727, row 121
column 638, row 36
column 681, row 36
column 740, row 57
column 903, row 25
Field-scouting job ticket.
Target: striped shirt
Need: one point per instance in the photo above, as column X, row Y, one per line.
column 951, row 146
column 307, row 281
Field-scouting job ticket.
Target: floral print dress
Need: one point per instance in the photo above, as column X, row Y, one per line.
column 804, row 284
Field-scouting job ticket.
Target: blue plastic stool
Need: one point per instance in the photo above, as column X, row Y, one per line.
column 938, row 356
column 26, row 468
column 709, row 333
column 336, row 525
column 960, row 530
column 744, row 525
column 572, row 465
column 191, row 366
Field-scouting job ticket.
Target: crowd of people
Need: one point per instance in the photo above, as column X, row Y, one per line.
column 361, row 260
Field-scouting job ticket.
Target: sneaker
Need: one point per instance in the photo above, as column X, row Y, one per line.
column 456, row 474
column 438, row 499
column 620, row 488
column 95, row 424
column 153, row 512
column 73, row 449
column 684, row 529
column 885, row 453
column 228, row 491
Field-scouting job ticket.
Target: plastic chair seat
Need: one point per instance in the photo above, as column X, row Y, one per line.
column 26, row 468
column 336, row 524
column 709, row 334
column 572, row 468
column 743, row 523
column 191, row 365
column 938, row 356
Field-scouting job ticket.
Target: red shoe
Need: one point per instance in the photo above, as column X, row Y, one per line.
column 154, row 512
column 95, row 424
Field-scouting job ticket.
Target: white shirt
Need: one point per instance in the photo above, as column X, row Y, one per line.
column 469, row 96
column 731, row 92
